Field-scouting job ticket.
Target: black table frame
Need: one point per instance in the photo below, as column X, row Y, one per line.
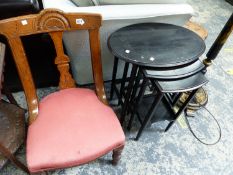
column 168, row 100
column 126, row 99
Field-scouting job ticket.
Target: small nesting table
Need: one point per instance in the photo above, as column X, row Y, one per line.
column 160, row 51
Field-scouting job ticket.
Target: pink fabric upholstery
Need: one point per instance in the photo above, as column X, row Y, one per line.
column 73, row 128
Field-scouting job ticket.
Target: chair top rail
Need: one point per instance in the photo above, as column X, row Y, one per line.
column 48, row 20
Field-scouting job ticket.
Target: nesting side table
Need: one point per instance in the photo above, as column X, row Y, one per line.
column 168, row 51
column 155, row 46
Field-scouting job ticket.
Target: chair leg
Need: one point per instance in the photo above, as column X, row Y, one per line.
column 13, row 159
column 9, row 95
column 116, row 155
column 19, row 165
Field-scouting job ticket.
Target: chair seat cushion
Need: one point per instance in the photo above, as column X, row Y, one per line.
column 73, row 127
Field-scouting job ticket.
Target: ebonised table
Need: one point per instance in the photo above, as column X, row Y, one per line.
column 155, row 46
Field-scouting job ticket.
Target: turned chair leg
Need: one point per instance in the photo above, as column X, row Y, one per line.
column 6, row 153
column 116, row 155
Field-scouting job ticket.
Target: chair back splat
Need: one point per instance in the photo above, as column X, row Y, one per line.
column 54, row 22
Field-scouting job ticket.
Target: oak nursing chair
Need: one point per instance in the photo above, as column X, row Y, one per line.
column 72, row 126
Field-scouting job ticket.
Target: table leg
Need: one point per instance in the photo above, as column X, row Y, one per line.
column 114, row 72
column 136, row 85
column 150, row 113
column 182, row 108
column 128, row 93
column 123, row 81
column 137, row 102
column 176, row 98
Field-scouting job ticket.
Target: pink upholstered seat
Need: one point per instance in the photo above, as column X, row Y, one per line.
column 88, row 130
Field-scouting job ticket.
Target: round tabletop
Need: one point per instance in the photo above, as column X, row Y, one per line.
column 156, row 45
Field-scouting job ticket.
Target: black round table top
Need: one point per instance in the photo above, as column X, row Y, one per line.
column 156, row 45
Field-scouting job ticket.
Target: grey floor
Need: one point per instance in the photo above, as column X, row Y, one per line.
column 177, row 152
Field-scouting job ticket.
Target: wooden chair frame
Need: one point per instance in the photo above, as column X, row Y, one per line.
column 54, row 22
